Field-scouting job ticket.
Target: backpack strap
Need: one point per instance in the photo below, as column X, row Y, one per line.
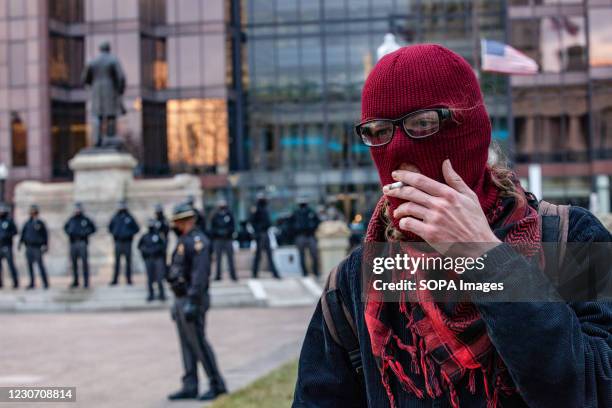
column 339, row 321
column 554, row 221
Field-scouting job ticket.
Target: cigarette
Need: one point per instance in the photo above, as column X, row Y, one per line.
column 397, row 184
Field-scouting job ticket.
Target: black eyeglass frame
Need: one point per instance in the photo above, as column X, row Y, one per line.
column 444, row 114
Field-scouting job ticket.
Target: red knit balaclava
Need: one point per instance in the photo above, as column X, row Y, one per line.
column 427, row 76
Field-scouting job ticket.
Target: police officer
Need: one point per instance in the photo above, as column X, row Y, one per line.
column 260, row 221
column 244, row 236
column 78, row 228
column 222, row 230
column 7, row 231
column 188, row 277
column 161, row 223
column 34, row 237
column 152, row 246
column 200, row 219
column 123, row 227
column 304, row 224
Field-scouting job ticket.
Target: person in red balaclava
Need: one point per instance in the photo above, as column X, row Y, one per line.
column 424, row 119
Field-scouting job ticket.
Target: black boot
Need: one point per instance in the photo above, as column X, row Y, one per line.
column 212, row 394
column 183, row 394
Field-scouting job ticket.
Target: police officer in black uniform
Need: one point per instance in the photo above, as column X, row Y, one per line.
column 34, row 237
column 189, row 276
column 260, row 221
column 244, row 236
column 152, row 246
column 78, row 228
column 304, row 223
column 123, row 227
column 222, row 230
column 8, row 230
column 161, row 223
column 200, row 219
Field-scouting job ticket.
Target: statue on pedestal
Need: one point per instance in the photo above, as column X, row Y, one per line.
column 107, row 81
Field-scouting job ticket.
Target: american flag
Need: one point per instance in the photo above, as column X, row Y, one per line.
column 502, row 58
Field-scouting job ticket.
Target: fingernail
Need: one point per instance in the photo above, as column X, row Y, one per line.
column 394, row 174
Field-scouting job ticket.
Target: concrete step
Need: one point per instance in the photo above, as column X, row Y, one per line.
column 244, row 293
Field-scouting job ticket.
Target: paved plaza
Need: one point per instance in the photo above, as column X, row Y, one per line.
column 132, row 359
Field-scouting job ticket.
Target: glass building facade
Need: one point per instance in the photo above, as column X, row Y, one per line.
column 562, row 115
column 307, row 62
column 173, row 53
column 262, row 95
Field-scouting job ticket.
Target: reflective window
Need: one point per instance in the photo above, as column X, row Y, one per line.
column 305, row 78
column 154, row 138
column 19, row 141
column 600, row 37
column 66, row 11
column 153, row 64
column 68, row 134
column 562, row 44
column 66, row 60
column 197, row 134
column 152, row 12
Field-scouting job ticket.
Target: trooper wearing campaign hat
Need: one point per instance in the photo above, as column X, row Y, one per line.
column 304, row 223
column 79, row 228
column 35, row 238
column 189, row 277
column 8, row 230
column 123, row 227
column 222, row 231
column 152, row 246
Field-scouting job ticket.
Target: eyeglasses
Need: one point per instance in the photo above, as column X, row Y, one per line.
column 417, row 125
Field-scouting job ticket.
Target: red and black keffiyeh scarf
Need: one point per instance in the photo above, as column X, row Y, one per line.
column 444, row 344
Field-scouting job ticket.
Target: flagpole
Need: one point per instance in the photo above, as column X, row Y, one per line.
column 589, row 99
column 510, row 114
column 475, row 38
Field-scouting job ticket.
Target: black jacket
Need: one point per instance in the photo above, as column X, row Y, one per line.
column 222, row 225
column 34, row 233
column 162, row 226
column 558, row 354
column 123, row 226
column 304, row 221
column 79, row 228
column 191, row 261
column 260, row 220
column 152, row 245
column 8, row 230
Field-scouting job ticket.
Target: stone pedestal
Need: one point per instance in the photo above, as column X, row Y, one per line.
column 102, row 176
column 101, row 179
column 333, row 237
